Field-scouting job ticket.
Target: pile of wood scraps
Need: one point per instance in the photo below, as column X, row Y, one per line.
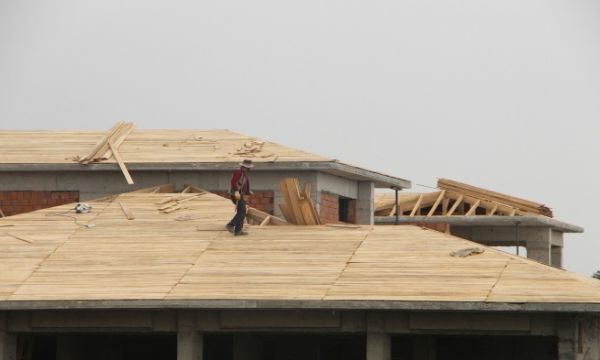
column 252, row 148
column 174, row 203
column 108, row 147
column 298, row 207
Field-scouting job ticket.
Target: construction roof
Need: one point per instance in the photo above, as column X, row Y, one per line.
column 61, row 259
column 168, row 150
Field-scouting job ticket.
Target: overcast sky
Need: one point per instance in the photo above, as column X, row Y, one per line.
column 502, row 94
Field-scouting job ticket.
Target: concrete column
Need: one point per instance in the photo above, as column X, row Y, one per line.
column 245, row 347
column 566, row 337
column 365, row 203
column 538, row 242
column 556, row 256
column 379, row 346
column 64, row 347
column 189, row 341
column 8, row 346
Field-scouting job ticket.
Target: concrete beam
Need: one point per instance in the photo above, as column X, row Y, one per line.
column 158, row 304
column 330, row 167
column 189, row 341
column 483, row 221
column 246, row 347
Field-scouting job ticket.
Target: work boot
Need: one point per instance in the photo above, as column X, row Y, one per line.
column 230, row 228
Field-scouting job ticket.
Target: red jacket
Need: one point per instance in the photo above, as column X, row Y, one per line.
column 240, row 182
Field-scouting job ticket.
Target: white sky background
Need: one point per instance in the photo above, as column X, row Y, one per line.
column 500, row 94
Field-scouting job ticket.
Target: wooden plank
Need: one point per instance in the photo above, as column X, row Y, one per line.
column 473, row 208
column 492, row 211
column 126, row 211
column 88, row 158
column 417, row 206
column 2, row 213
column 121, row 163
column 266, row 221
column 457, row 202
column 437, row 203
column 118, row 138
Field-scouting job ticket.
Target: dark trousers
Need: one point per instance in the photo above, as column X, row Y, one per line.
column 240, row 215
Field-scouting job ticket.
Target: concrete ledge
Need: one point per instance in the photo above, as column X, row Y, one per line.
column 301, row 304
column 331, row 167
column 500, row 221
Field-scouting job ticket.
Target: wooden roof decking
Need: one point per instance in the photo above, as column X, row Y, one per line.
column 142, row 146
column 169, row 150
column 57, row 255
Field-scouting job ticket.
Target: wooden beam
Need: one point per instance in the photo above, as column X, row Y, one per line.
column 121, row 163
column 457, row 202
column 473, row 209
column 492, row 211
column 2, row 214
column 445, row 204
column 266, row 221
column 437, row 202
column 417, row 205
column 126, row 211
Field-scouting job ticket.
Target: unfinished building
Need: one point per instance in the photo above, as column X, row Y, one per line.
column 128, row 281
column 41, row 168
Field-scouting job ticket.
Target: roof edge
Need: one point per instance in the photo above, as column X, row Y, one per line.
column 332, row 166
column 500, row 221
column 301, row 304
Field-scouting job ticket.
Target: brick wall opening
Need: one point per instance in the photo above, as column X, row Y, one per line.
column 19, row 202
column 334, row 209
column 261, row 200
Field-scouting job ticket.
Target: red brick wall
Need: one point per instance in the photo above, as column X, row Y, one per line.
column 329, row 211
column 18, row 202
column 261, row 200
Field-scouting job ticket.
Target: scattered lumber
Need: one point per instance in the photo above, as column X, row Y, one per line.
column 262, row 218
column 298, row 207
column 492, row 196
column 467, row 252
column 108, row 147
column 173, row 203
column 126, row 211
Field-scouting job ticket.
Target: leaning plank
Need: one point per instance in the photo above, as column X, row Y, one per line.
column 417, row 206
column 100, row 144
column 121, row 163
column 126, row 211
column 118, row 138
column 266, row 221
column 2, row 214
column 473, row 208
column 260, row 216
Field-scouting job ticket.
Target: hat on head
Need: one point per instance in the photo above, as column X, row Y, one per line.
column 247, row 163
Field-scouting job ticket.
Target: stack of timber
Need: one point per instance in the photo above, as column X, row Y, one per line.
column 108, row 147
column 488, row 195
column 298, row 208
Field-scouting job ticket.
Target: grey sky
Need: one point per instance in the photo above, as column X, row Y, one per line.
column 500, row 94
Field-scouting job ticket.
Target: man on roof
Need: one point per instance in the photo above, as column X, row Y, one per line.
column 239, row 192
